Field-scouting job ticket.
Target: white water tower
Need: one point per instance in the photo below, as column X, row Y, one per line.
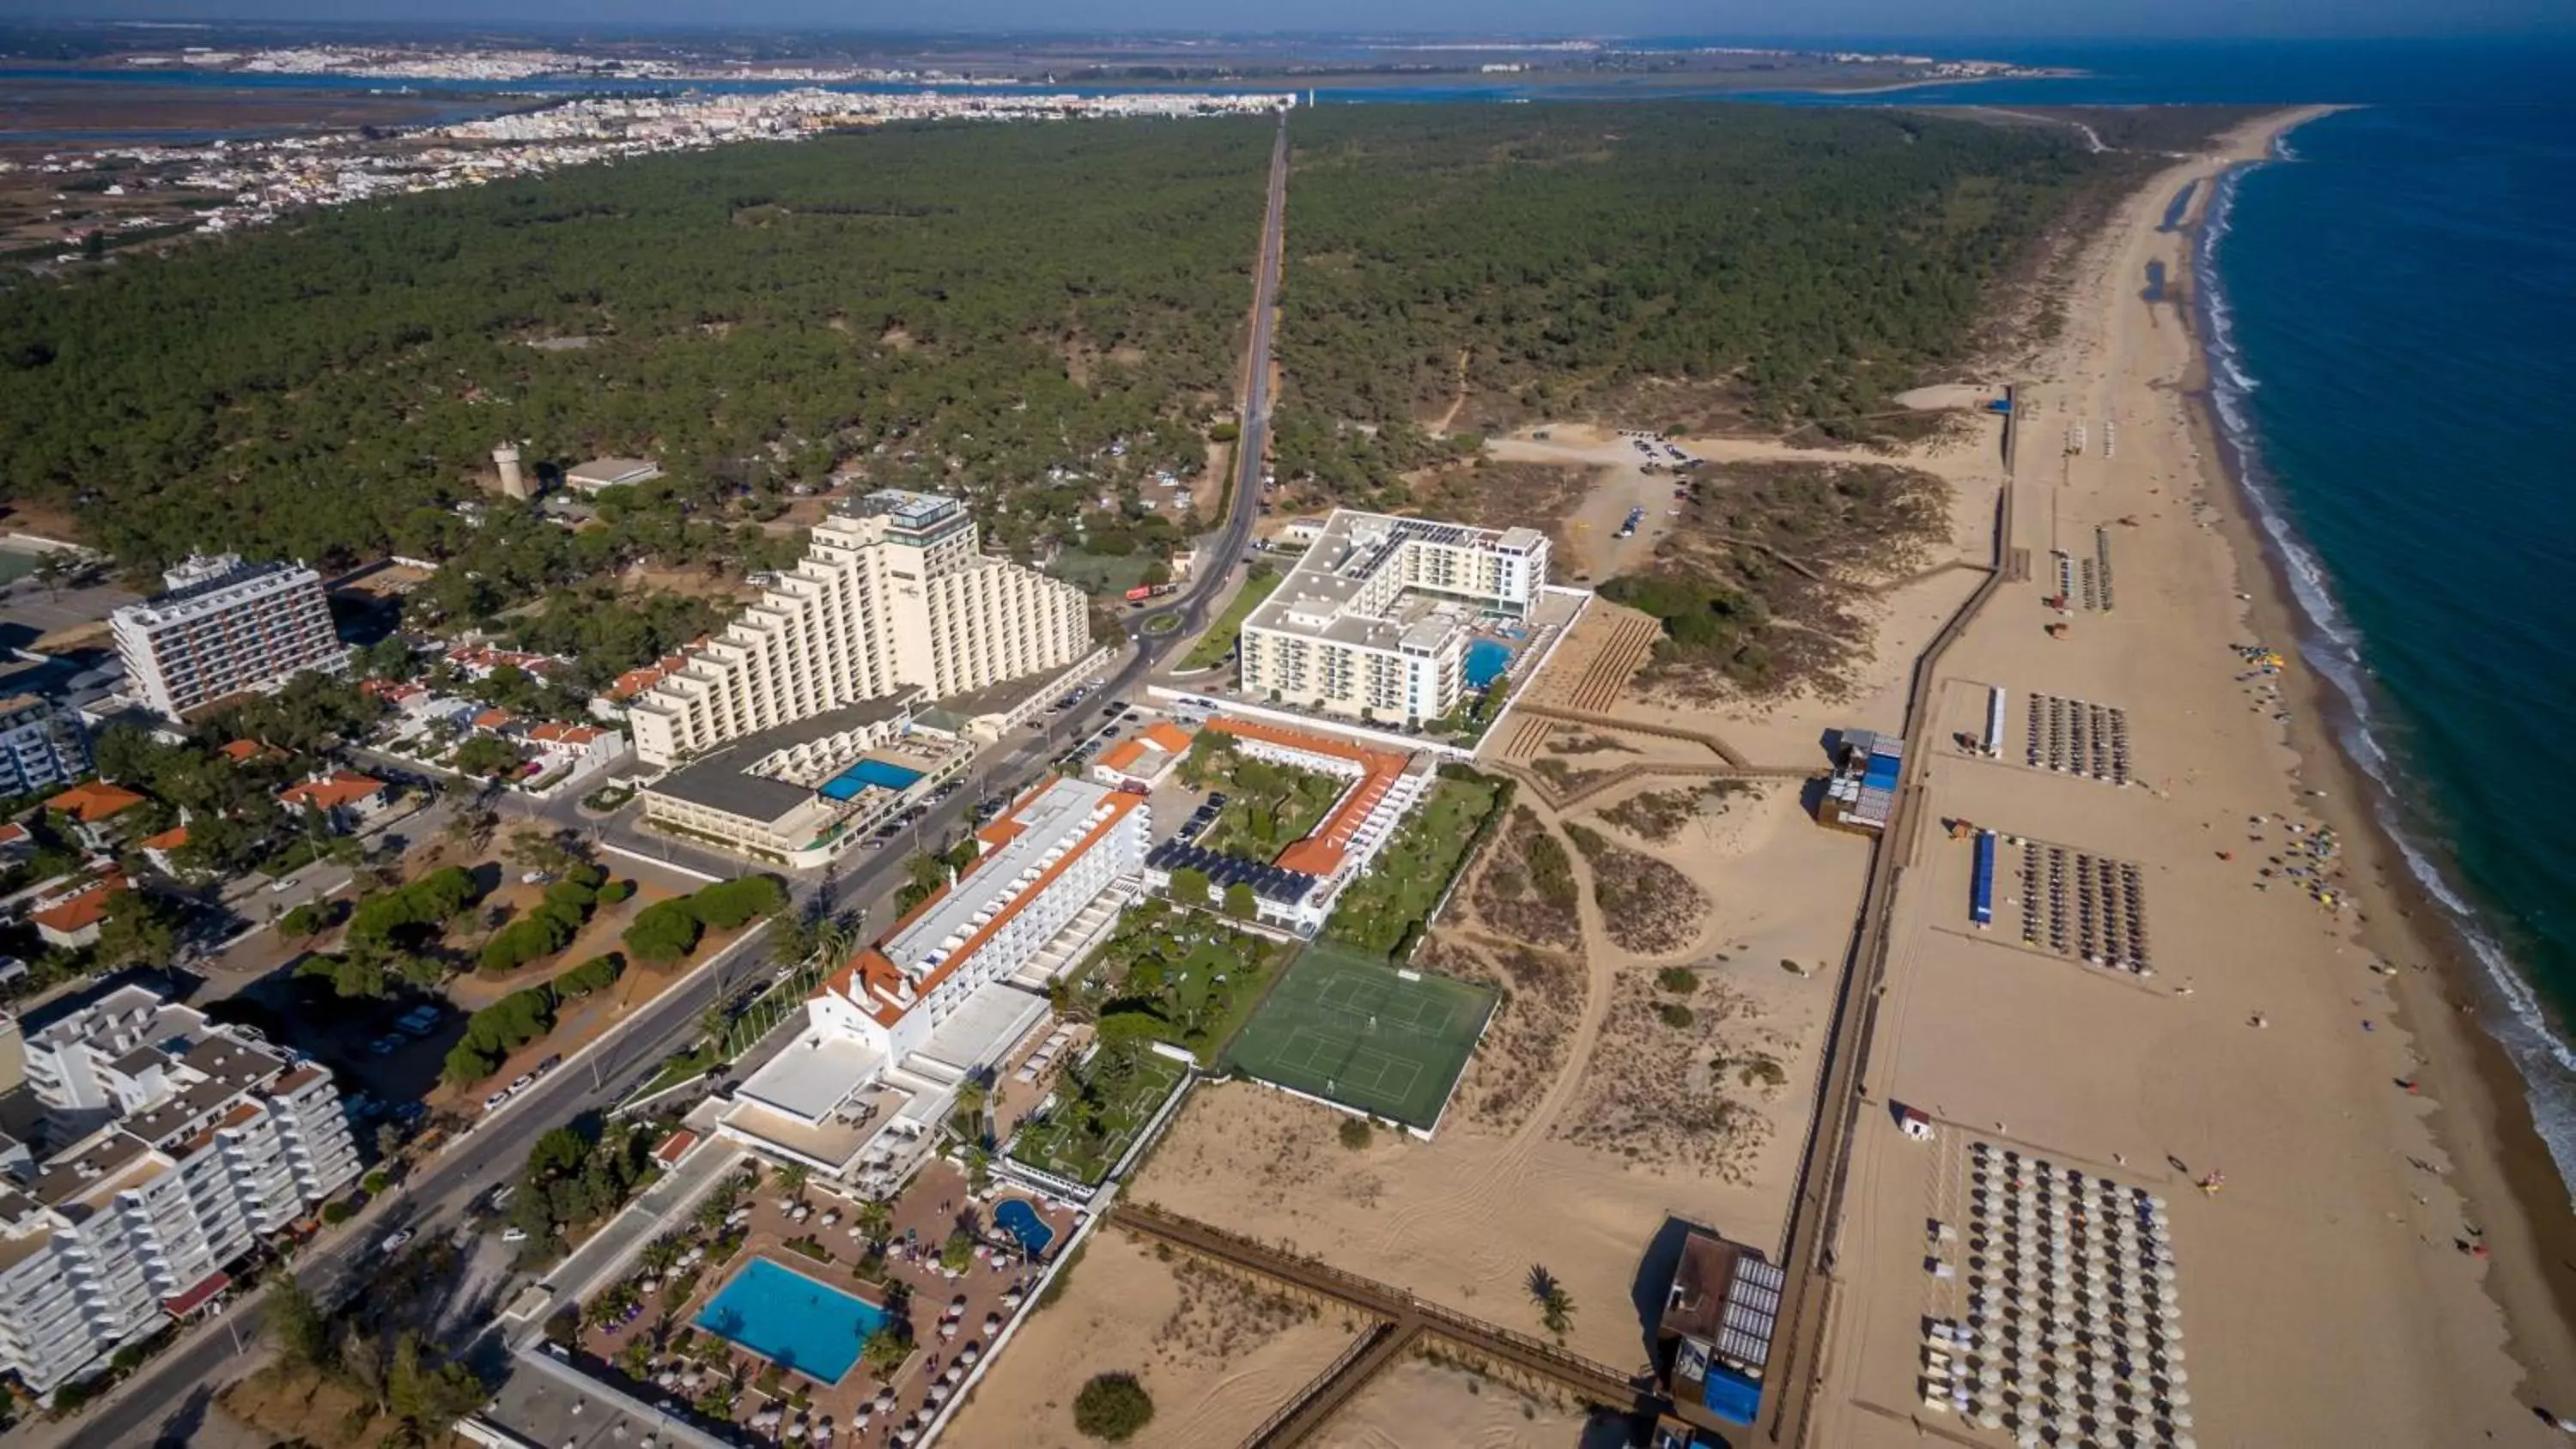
column 513, row 482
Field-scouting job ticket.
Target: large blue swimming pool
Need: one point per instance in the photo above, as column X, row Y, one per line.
column 869, row 772
column 792, row 1320
column 1486, row 660
column 1021, row 1221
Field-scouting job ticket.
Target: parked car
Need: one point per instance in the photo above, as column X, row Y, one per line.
column 496, row 1099
column 525, row 1081
column 384, row 1046
column 514, row 1235
column 395, row 1243
column 549, row 1064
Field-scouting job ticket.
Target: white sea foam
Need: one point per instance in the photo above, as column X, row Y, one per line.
column 2333, row 647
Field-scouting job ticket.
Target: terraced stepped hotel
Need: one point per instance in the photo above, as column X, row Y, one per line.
column 893, row 593
column 1375, row 620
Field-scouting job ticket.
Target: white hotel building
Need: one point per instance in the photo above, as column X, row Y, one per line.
column 890, row 1035
column 1374, row 621
column 224, row 627
column 149, row 1149
column 893, row 592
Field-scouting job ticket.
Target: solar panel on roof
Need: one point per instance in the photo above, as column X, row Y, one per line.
column 1745, row 1348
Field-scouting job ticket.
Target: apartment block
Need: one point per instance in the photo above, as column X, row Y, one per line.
column 150, row 1150
column 41, row 747
column 893, row 592
column 224, row 627
column 1375, row 620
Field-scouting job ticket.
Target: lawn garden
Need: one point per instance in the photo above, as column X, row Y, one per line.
column 1385, row 910
column 1097, row 1112
column 1268, row 808
column 1173, row 975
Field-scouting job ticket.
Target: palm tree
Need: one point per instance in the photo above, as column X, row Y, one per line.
column 971, row 1099
column 54, row 572
column 1555, row 1305
column 874, row 1218
column 660, row 1255
column 791, row 1179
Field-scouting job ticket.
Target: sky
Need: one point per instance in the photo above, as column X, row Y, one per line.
column 1806, row 19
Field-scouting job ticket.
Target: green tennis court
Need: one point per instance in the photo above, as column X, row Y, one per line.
column 1351, row 1029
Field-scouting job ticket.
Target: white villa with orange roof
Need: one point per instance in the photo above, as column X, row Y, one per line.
column 891, row 1034
column 1143, row 761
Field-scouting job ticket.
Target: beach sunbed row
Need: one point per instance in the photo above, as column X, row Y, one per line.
column 2072, row 737
column 2085, row 906
column 2071, row 1327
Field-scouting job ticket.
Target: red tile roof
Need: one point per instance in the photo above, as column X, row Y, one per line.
column 1321, row 853
column 170, row 839
column 570, row 734
column 83, row 908
column 196, row 1297
column 491, row 719
column 340, row 788
column 869, row 978
column 94, row 800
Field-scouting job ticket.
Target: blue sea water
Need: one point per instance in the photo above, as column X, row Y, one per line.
column 2393, row 309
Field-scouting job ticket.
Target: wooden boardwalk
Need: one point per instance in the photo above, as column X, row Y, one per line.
column 1399, row 1323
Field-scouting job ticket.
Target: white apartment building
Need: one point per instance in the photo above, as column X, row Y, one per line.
column 164, row 1147
column 889, row 1035
column 222, row 628
column 893, row 591
column 1375, row 619
column 41, row 747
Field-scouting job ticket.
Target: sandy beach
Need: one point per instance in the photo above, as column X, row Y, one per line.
column 2338, row 1156
column 1216, row 1354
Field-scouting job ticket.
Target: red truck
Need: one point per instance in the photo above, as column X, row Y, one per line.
column 1141, row 591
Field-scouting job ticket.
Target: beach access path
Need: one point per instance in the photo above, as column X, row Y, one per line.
column 2328, row 1290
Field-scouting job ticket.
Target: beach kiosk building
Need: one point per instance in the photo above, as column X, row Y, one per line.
column 1714, row 1340
column 1862, row 792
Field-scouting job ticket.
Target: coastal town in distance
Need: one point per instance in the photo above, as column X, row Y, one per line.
column 747, row 738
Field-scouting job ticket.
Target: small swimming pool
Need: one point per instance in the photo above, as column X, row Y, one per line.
column 792, row 1320
column 1486, row 661
column 869, row 772
column 1018, row 1218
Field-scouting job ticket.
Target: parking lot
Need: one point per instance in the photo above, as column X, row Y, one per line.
column 1615, row 528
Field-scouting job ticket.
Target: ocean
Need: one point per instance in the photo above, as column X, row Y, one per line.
column 2390, row 311
column 2392, row 314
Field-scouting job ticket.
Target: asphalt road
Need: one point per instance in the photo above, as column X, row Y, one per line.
column 163, row 1397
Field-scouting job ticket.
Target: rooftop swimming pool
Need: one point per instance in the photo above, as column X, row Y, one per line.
column 869, row 772
column 792, row 1320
